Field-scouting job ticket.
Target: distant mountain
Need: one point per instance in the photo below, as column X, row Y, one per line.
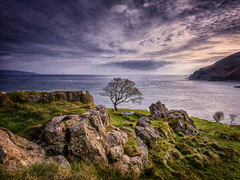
column 13, row 72
column 227, row 69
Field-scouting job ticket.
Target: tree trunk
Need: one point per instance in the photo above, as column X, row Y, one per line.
column 115, row 107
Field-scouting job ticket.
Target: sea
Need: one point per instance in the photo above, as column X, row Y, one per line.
column 199, row 98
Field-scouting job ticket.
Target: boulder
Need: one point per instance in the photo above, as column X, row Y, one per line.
column 158, row 110
column 105, row 117
column 82, row 135
column 146, row 132
column 16, row 151
column 180, row 122
column 87, row 138
column 71, row 96
column 116, row 140
column 135, row 164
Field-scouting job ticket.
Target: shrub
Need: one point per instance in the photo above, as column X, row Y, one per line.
column 218, row 116
column 233, row 118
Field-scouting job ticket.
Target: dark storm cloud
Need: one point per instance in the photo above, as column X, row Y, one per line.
column 140, row 65
column 67, row 31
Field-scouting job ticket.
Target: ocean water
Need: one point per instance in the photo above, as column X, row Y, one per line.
column 199, row 98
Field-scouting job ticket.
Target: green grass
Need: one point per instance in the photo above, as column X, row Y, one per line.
column 228, row 136
column 26, row 119
column 207, row 156
column 214, row 154
column 118, row 119
column 80, row 171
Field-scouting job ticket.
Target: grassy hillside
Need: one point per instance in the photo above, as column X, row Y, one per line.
column 26, row 119
column 214, row 154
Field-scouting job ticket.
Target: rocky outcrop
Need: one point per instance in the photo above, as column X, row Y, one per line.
column 71, row 96
column 146, row 132
column 158, row 110
column 223, row 70
column 135, row 164
column 180, row 122
column 177, row 119
column 84, row 136
column 116, row 140
column 16, row 152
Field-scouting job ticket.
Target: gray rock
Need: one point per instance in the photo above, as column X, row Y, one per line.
column 105, row 117
column 146, row 132
column 158, row 110
column 128, row 113
column 134, row 164
column 83, row 135
column 116, row 140
column 71, row 96
column 180, row 122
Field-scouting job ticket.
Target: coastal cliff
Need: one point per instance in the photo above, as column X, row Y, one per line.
column 226, row 69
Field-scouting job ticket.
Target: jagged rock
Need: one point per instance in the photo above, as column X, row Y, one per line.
column 61, row 160
column 180, row 122
column 134, row 164
column 128, row 131
column 116, row 140
column 16, row 151
column 83, row 135
column 146, row 132
column 105, row 117
column 88, row 138
column 71, row 96
column 158, row 110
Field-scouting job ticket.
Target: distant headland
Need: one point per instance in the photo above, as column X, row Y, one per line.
column 14, row 72
column 226, row 69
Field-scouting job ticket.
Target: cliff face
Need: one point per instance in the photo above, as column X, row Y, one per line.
column 227, row 69
column 70, row 96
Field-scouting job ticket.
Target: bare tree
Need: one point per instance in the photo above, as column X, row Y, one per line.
column 122, row 90
column 218, row 116
column 233, row 118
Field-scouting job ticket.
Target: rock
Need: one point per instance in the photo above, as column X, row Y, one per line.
column 134, row 164
column 146, row 132
column 128, row 113
column 158, row 110
column 61, row 160
column 130, row 132
column 180, row 122
column 116, row 140
column 16, row 151
column 105, row 117
column 82, row 135
column 71, row 96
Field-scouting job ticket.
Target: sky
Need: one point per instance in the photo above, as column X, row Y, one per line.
column 117, row 36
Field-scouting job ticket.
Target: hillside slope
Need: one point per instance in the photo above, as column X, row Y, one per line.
column 227, row 69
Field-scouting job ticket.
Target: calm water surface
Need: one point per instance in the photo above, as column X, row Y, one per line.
column 198, row 98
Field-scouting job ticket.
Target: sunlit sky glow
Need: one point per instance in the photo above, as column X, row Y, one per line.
column 116, row 36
